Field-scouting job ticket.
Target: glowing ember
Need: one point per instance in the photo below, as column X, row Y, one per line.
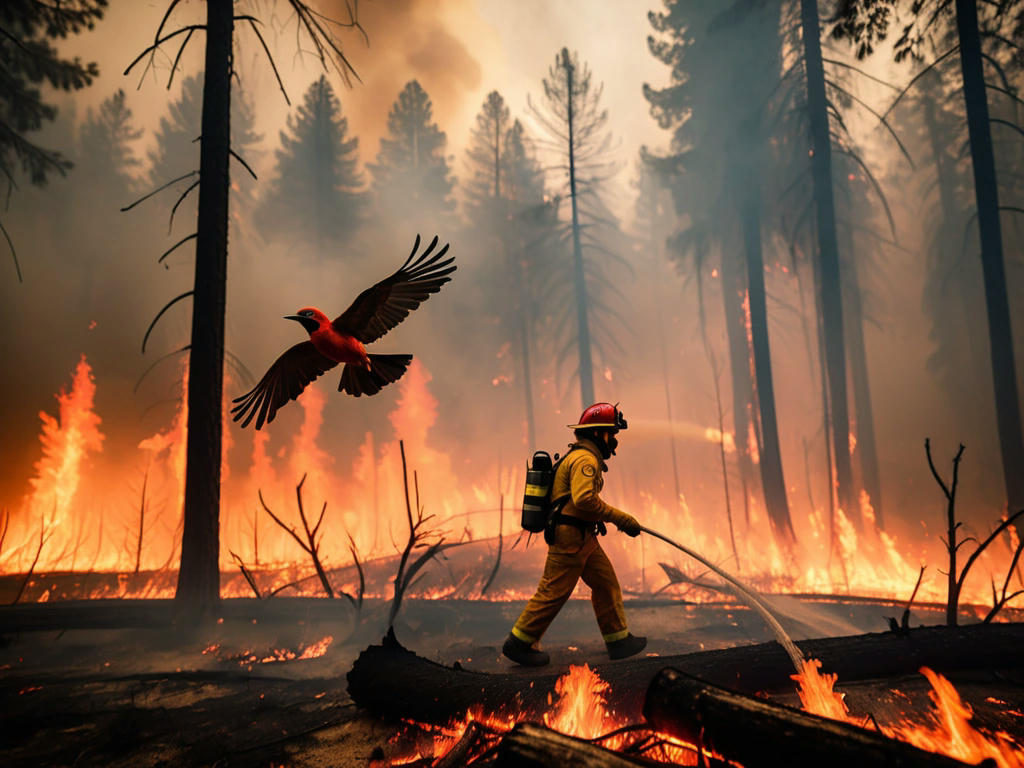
column 273, row 655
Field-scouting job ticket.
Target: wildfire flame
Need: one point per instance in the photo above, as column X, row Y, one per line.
column 952, row 734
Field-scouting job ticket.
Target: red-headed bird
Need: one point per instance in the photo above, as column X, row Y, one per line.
column 375, row 311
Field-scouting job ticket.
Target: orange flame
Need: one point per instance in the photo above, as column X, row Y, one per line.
column 581, row 710
column 953, row 733
column 67, row 440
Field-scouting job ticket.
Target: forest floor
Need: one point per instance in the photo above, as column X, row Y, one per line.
column 238, row 693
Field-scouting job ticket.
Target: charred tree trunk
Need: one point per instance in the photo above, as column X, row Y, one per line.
column 586, row 369
column 772, row 480
column 198, row 590
column 828, row 254
column 524, row 346
column 1004, row 371
column 866, row 446
column 755, row 732
column 739, row 367
column 949, row 267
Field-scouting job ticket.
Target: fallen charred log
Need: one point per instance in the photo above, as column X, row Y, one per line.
column 759, row 732
column 529, row 745
column 392, row 682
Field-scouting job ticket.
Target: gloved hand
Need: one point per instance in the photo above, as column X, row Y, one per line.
column 628, row 525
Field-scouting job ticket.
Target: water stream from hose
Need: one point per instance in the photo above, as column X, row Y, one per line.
column 747, row 595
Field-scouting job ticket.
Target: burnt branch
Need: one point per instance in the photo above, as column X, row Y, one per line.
column 270, row 58
column 181, row 242
column 43, row 537
column 159, row 314
column 311, row 546
column 152, row 49
column 142, row 522
column 248, row 575
column 497, row 559
column 14, row 253
column 161, row 188
column 181, row 199
column 417, row 539
column 5, row 517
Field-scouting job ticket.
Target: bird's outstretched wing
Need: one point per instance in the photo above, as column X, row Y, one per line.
column 381, row 307
column 285, row 380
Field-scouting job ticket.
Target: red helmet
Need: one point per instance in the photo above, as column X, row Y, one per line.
column 601, row 416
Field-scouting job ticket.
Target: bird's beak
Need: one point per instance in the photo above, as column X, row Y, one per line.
column 308, row 323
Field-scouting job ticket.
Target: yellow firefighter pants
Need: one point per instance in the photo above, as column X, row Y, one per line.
column 574, row 555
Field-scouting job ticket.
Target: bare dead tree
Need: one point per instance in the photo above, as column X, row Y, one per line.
column 354, row 551
column 419, row 533
column 142, row 522
column 497, row 559
column 955, row 580
column 715, row 375
column 43, row 538
column 1000, row 600
column 311, row 545
column 199, row 573
column 5, row 517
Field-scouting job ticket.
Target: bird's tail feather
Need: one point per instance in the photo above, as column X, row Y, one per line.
column 384, row 369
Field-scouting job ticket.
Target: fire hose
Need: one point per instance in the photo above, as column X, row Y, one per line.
column 744, row 593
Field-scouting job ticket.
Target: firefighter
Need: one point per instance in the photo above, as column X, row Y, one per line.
column 573, row 548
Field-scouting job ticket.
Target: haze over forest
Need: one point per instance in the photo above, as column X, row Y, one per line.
column 333, row 210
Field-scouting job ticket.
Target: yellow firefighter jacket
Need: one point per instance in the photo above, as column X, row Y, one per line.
column 580, row 476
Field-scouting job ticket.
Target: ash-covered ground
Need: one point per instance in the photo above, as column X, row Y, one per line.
column 240, row 693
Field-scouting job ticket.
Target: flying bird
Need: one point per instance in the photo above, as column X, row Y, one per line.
column 375, row 311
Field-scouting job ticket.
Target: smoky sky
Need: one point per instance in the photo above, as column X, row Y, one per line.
column 459, row 50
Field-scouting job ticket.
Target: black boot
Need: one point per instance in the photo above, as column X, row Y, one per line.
column 523, row 653
column 626, row 647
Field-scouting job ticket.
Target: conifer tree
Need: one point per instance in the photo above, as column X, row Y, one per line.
column 411, row 179
column 317, row 189
column 484, row 187
column 104, row 142
column 27, row 59
column 576, row 124
column 177, row 150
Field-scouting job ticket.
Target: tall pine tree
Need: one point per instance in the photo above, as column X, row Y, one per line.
column 104, row 143
column 27, row 59
column 412, row 182
column 317, row 192
column 177, row 147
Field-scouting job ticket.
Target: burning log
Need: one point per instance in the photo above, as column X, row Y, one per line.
column 759, row 732
column 529, row 745
column 391, row 681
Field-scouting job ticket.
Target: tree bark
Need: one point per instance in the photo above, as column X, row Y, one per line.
column 986, row 191
column 739, row 368
column 756, row 732
column 828, row 255
column 867, row 449
column 392, row 682
column 586, row 369
column 772, row 480
column 198, row 590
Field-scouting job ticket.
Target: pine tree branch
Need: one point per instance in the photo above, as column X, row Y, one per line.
column 159, row 314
